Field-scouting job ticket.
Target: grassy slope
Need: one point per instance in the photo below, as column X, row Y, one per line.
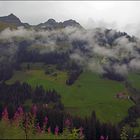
column 134, row 78
column 90, row 92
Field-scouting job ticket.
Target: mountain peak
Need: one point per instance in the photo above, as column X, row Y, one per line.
column 11, row 15
column 51, row 20
column 52, row 24
column 12, row 19
column 49, row 24
column 71, row 22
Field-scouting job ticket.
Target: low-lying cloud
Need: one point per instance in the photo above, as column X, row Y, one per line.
column 122, row 55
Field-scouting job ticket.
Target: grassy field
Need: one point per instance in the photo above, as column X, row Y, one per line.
column 134, row 78
column 90, row 92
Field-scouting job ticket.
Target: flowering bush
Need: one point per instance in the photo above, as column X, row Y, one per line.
column 25, row 126
column 5, row 115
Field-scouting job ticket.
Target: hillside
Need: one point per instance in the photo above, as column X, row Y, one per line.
column 78, row 99
column 13, row 20
column 90, row 76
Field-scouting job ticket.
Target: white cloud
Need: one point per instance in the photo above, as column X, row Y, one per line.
column 99, row 54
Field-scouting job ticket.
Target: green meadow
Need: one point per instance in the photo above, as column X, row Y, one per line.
column 90, row 92
column 134, row 79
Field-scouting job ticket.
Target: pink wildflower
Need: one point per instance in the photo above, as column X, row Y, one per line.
column 38, row 128
column 107, row 138
column 102, row 138
column 18, row 116
column 81, row 132
column 5, row 115
column 67, row 122
column 34, row 110
column 20, row 111
column 45, row 123
column 56, row 130
column 49, row 130
column 26, row 121
column 46, row 120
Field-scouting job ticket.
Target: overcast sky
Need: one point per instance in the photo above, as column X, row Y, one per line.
column 121, row 15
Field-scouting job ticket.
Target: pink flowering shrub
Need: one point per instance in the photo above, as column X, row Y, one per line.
column 103, row 138
column 81, row 135
column 67, row 123
column 5, row 115
column 27, row 123
column 34, row 110
column 38, row 128
column 56, row 130
column 18, row 116
column 49, row 130
column 45, row 123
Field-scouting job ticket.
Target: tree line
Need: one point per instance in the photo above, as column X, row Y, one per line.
column 17, row 94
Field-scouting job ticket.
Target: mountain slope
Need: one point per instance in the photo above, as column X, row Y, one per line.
column 52, row 24
column 13, row 20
